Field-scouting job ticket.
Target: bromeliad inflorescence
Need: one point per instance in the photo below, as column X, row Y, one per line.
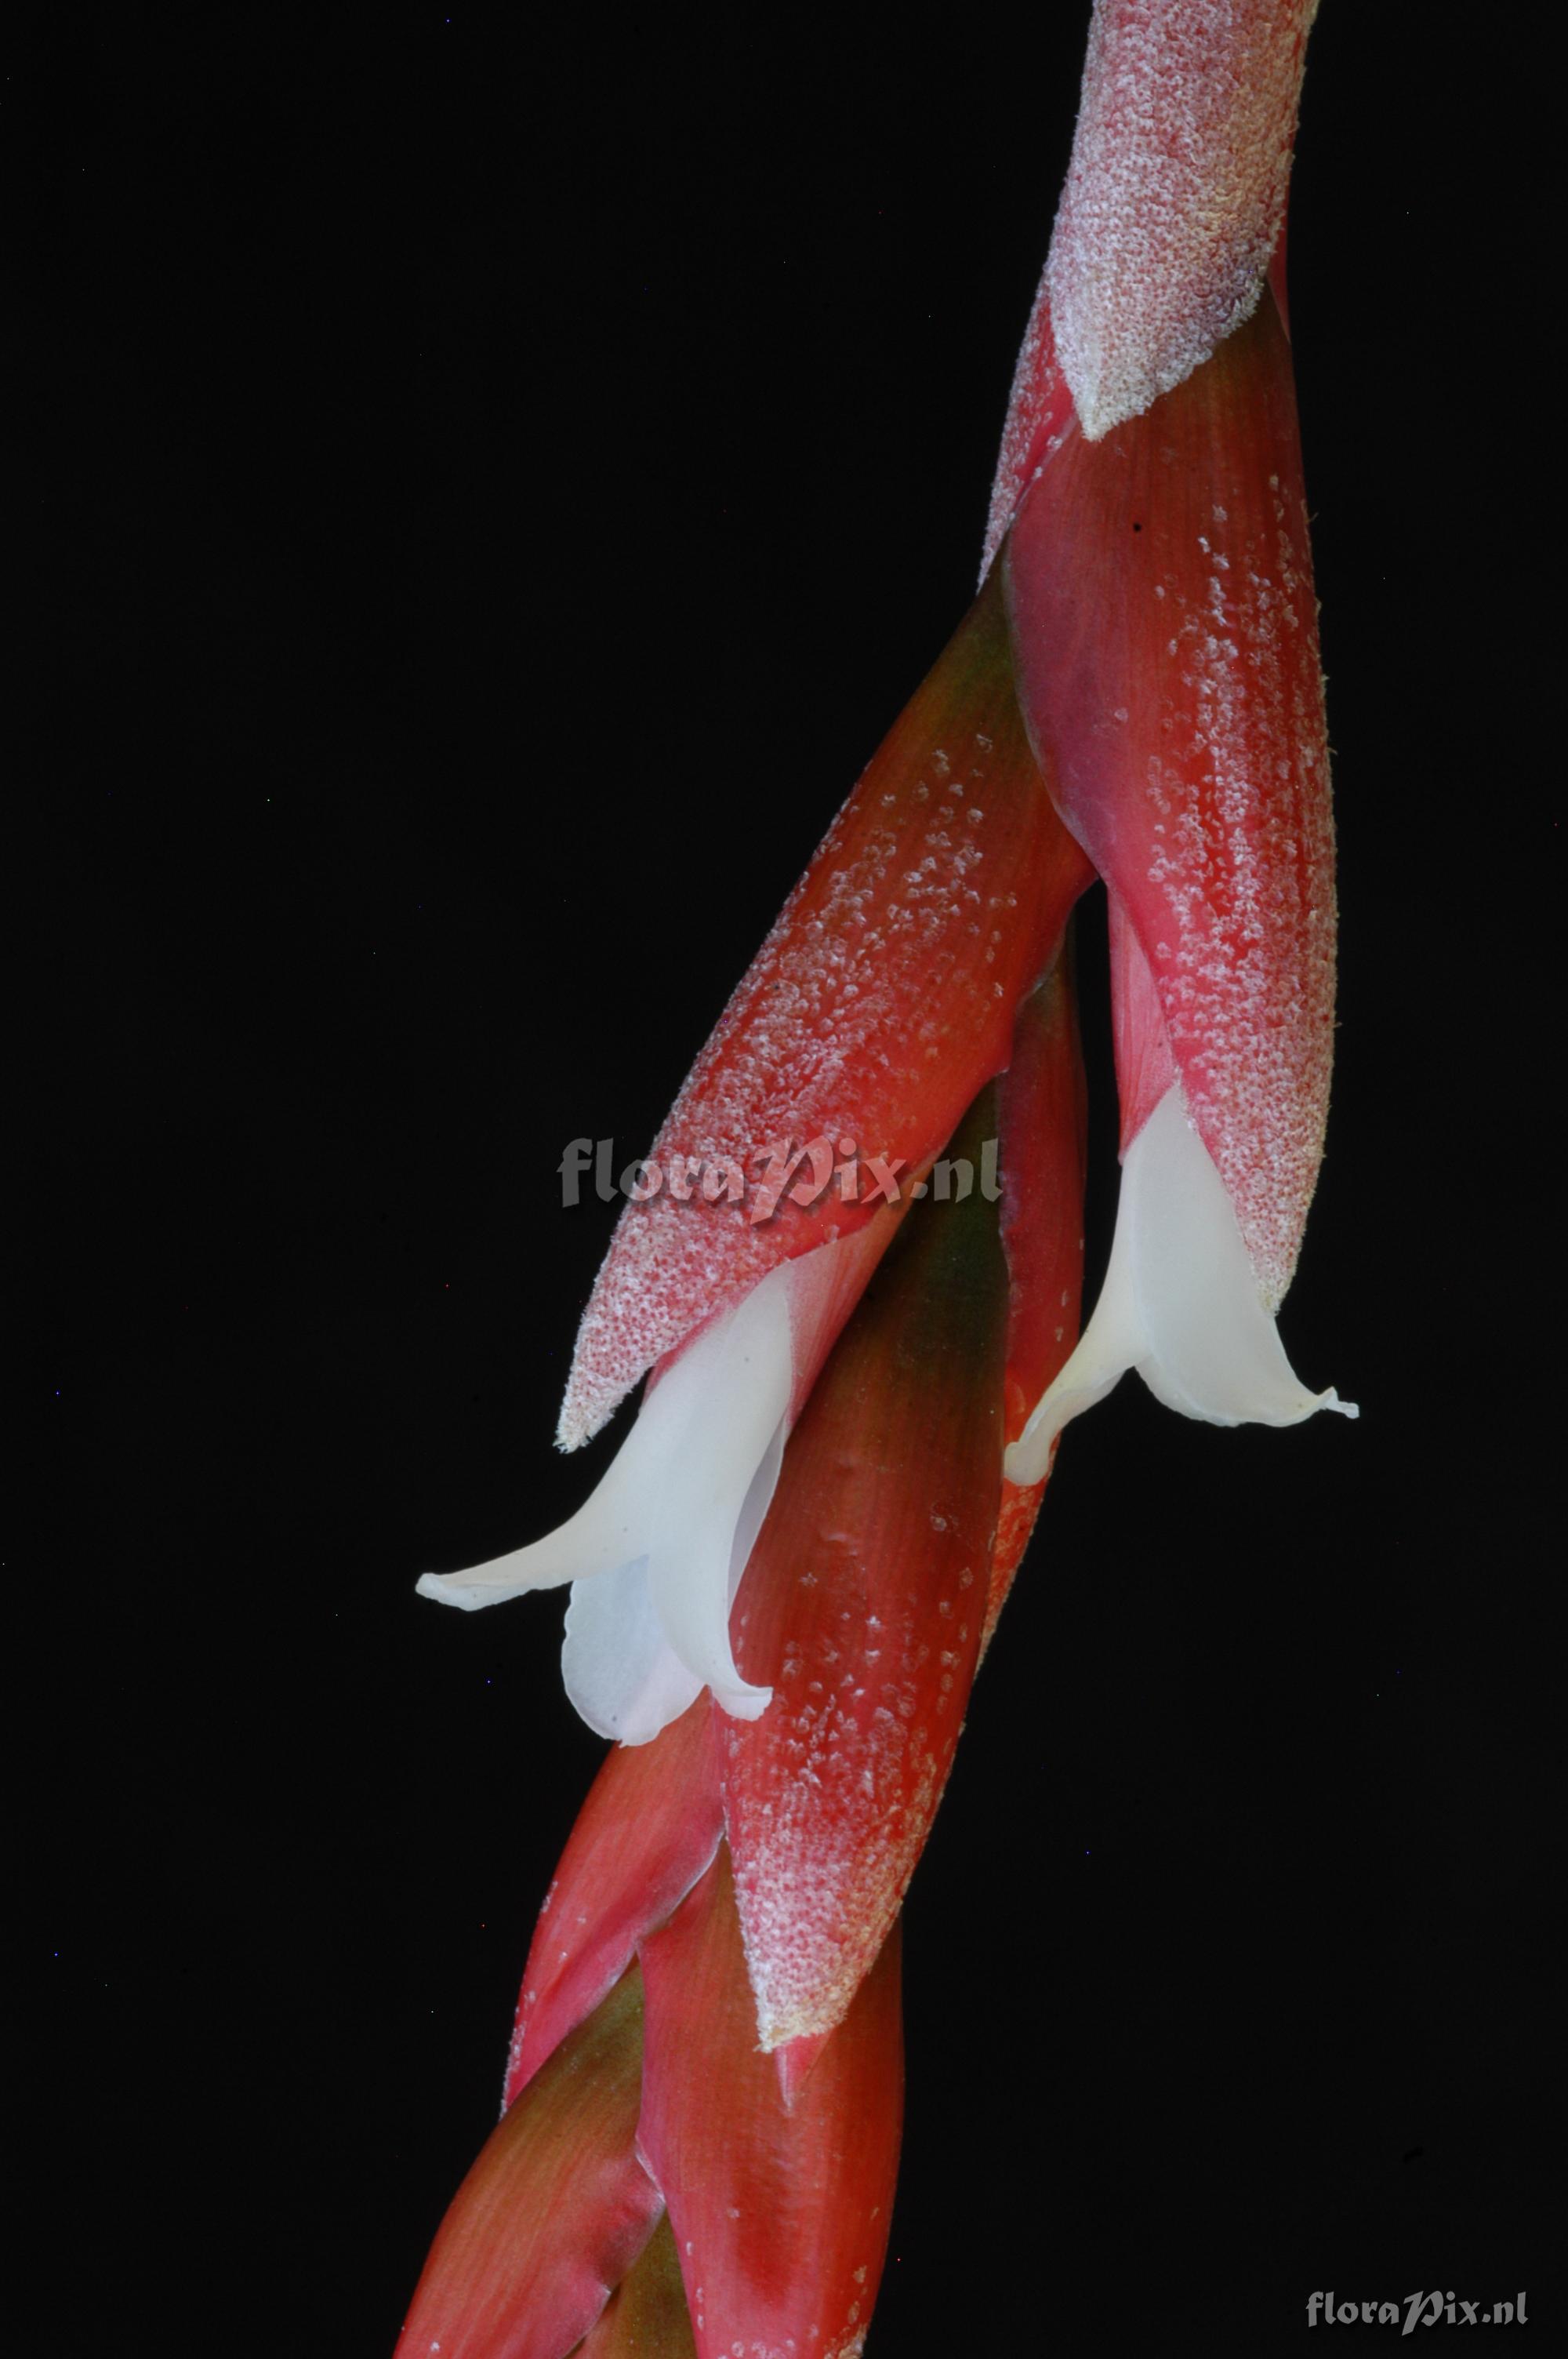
column 783, row 1585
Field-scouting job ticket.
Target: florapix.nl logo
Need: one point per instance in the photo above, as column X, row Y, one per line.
column 1415, row 2309
column 766, row 1177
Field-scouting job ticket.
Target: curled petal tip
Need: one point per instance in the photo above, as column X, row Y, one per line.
column 1181, row 1304
column 453, row 1589
column 744, row 1703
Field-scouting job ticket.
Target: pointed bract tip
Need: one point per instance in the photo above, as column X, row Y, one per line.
column 793, row 2062
column 1175, row 192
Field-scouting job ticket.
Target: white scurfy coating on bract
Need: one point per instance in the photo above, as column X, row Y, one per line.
column 826, row 1872
column 875, row 971
column 1175, row 193
column 1249, row 1004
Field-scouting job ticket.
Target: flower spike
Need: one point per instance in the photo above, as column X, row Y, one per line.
column 785, row 1585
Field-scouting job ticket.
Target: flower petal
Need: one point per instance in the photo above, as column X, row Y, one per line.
column 780, row 2213
column 1179, row 1304
column 662, row 1526
column 709, row 1502
column 621, row 1674
column 621, row 1670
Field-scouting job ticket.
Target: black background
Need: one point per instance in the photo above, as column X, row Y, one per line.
column 495, row 486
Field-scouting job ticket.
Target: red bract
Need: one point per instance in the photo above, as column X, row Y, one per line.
column 878, row 1573
column 646, row 2316
column 781, row 2210
column 649, row 1828
column 1042, row 1118
column 1173, row 214
column 863, row 1607
column 880, row 1003
column 556, row 2210
column 1170, row 672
